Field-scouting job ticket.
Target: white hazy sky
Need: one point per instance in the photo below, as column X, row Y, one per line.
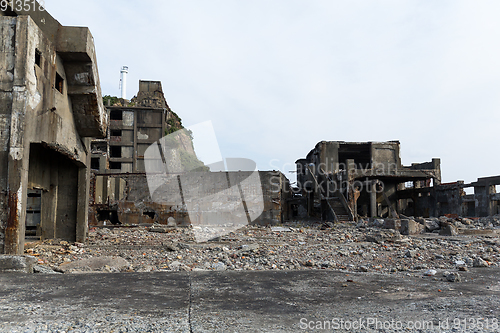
column 277, row 76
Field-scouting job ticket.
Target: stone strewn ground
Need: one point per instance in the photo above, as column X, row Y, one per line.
column 365, row 246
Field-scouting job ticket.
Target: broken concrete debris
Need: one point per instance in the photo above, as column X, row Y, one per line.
column 447, row 229
column 411, row 227
column 95, row 264
column 350, row 247
column 453, row 277
column 479, row 262
column 22, row 264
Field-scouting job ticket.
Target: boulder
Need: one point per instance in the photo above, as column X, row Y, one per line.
column 448, row 229
column 410, row 227
column 384, row 236
column 479, row 262
column 392, row 224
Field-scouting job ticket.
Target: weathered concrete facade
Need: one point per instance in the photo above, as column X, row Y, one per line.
column 341, row 180
column 50, row 106
column 132, row 129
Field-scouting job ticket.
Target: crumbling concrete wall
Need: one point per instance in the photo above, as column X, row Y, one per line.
column 49, row 101
column 129, row 196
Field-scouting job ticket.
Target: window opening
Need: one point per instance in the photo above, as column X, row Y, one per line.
column 116, row 115
column 115, row 151
column 115, row 165
column 59, row 83
column 95, row 163
column 38, row 58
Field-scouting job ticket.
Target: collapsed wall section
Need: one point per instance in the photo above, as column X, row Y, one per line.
column 186, row 199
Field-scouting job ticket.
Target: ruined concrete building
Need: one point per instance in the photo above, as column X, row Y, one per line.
column 339, row 181
column 133, row 127
column 50, row 106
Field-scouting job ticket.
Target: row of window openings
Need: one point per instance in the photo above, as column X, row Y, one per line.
column 59, row 84
column 95, row 164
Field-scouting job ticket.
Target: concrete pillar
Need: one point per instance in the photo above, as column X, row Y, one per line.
column 82, row 213
column 484, row 205
column 373, row 199
column 351, row 171
column 17, row 194
column 18, row 159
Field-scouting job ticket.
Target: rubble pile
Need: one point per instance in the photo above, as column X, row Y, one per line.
column 366, row 246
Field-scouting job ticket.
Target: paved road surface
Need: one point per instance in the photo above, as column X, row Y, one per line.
column 264, row 301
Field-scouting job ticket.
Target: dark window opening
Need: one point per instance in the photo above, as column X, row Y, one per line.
column 59, row 83
column 115, row 165
column 149, row 214
column 99, row 147
column 95, row 163
column 108, row 215
column 116, row 133
column 360, row 153
column 116, row 115
column 38, row 58
column 115, row 151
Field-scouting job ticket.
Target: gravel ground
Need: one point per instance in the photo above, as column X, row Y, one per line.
column 364, row 247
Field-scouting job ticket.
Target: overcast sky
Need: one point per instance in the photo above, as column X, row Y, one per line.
column 277, row 76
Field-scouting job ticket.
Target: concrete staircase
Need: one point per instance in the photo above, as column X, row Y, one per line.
column 339, row 209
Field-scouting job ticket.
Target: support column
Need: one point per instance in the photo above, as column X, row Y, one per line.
column 373, row 199
column 82, row 212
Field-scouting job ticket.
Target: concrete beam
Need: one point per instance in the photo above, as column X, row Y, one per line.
column 22, row 264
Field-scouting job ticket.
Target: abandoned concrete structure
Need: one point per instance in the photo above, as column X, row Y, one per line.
column 338, row 180
column 50, row 106
column 133, row 127
column 486, row 198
